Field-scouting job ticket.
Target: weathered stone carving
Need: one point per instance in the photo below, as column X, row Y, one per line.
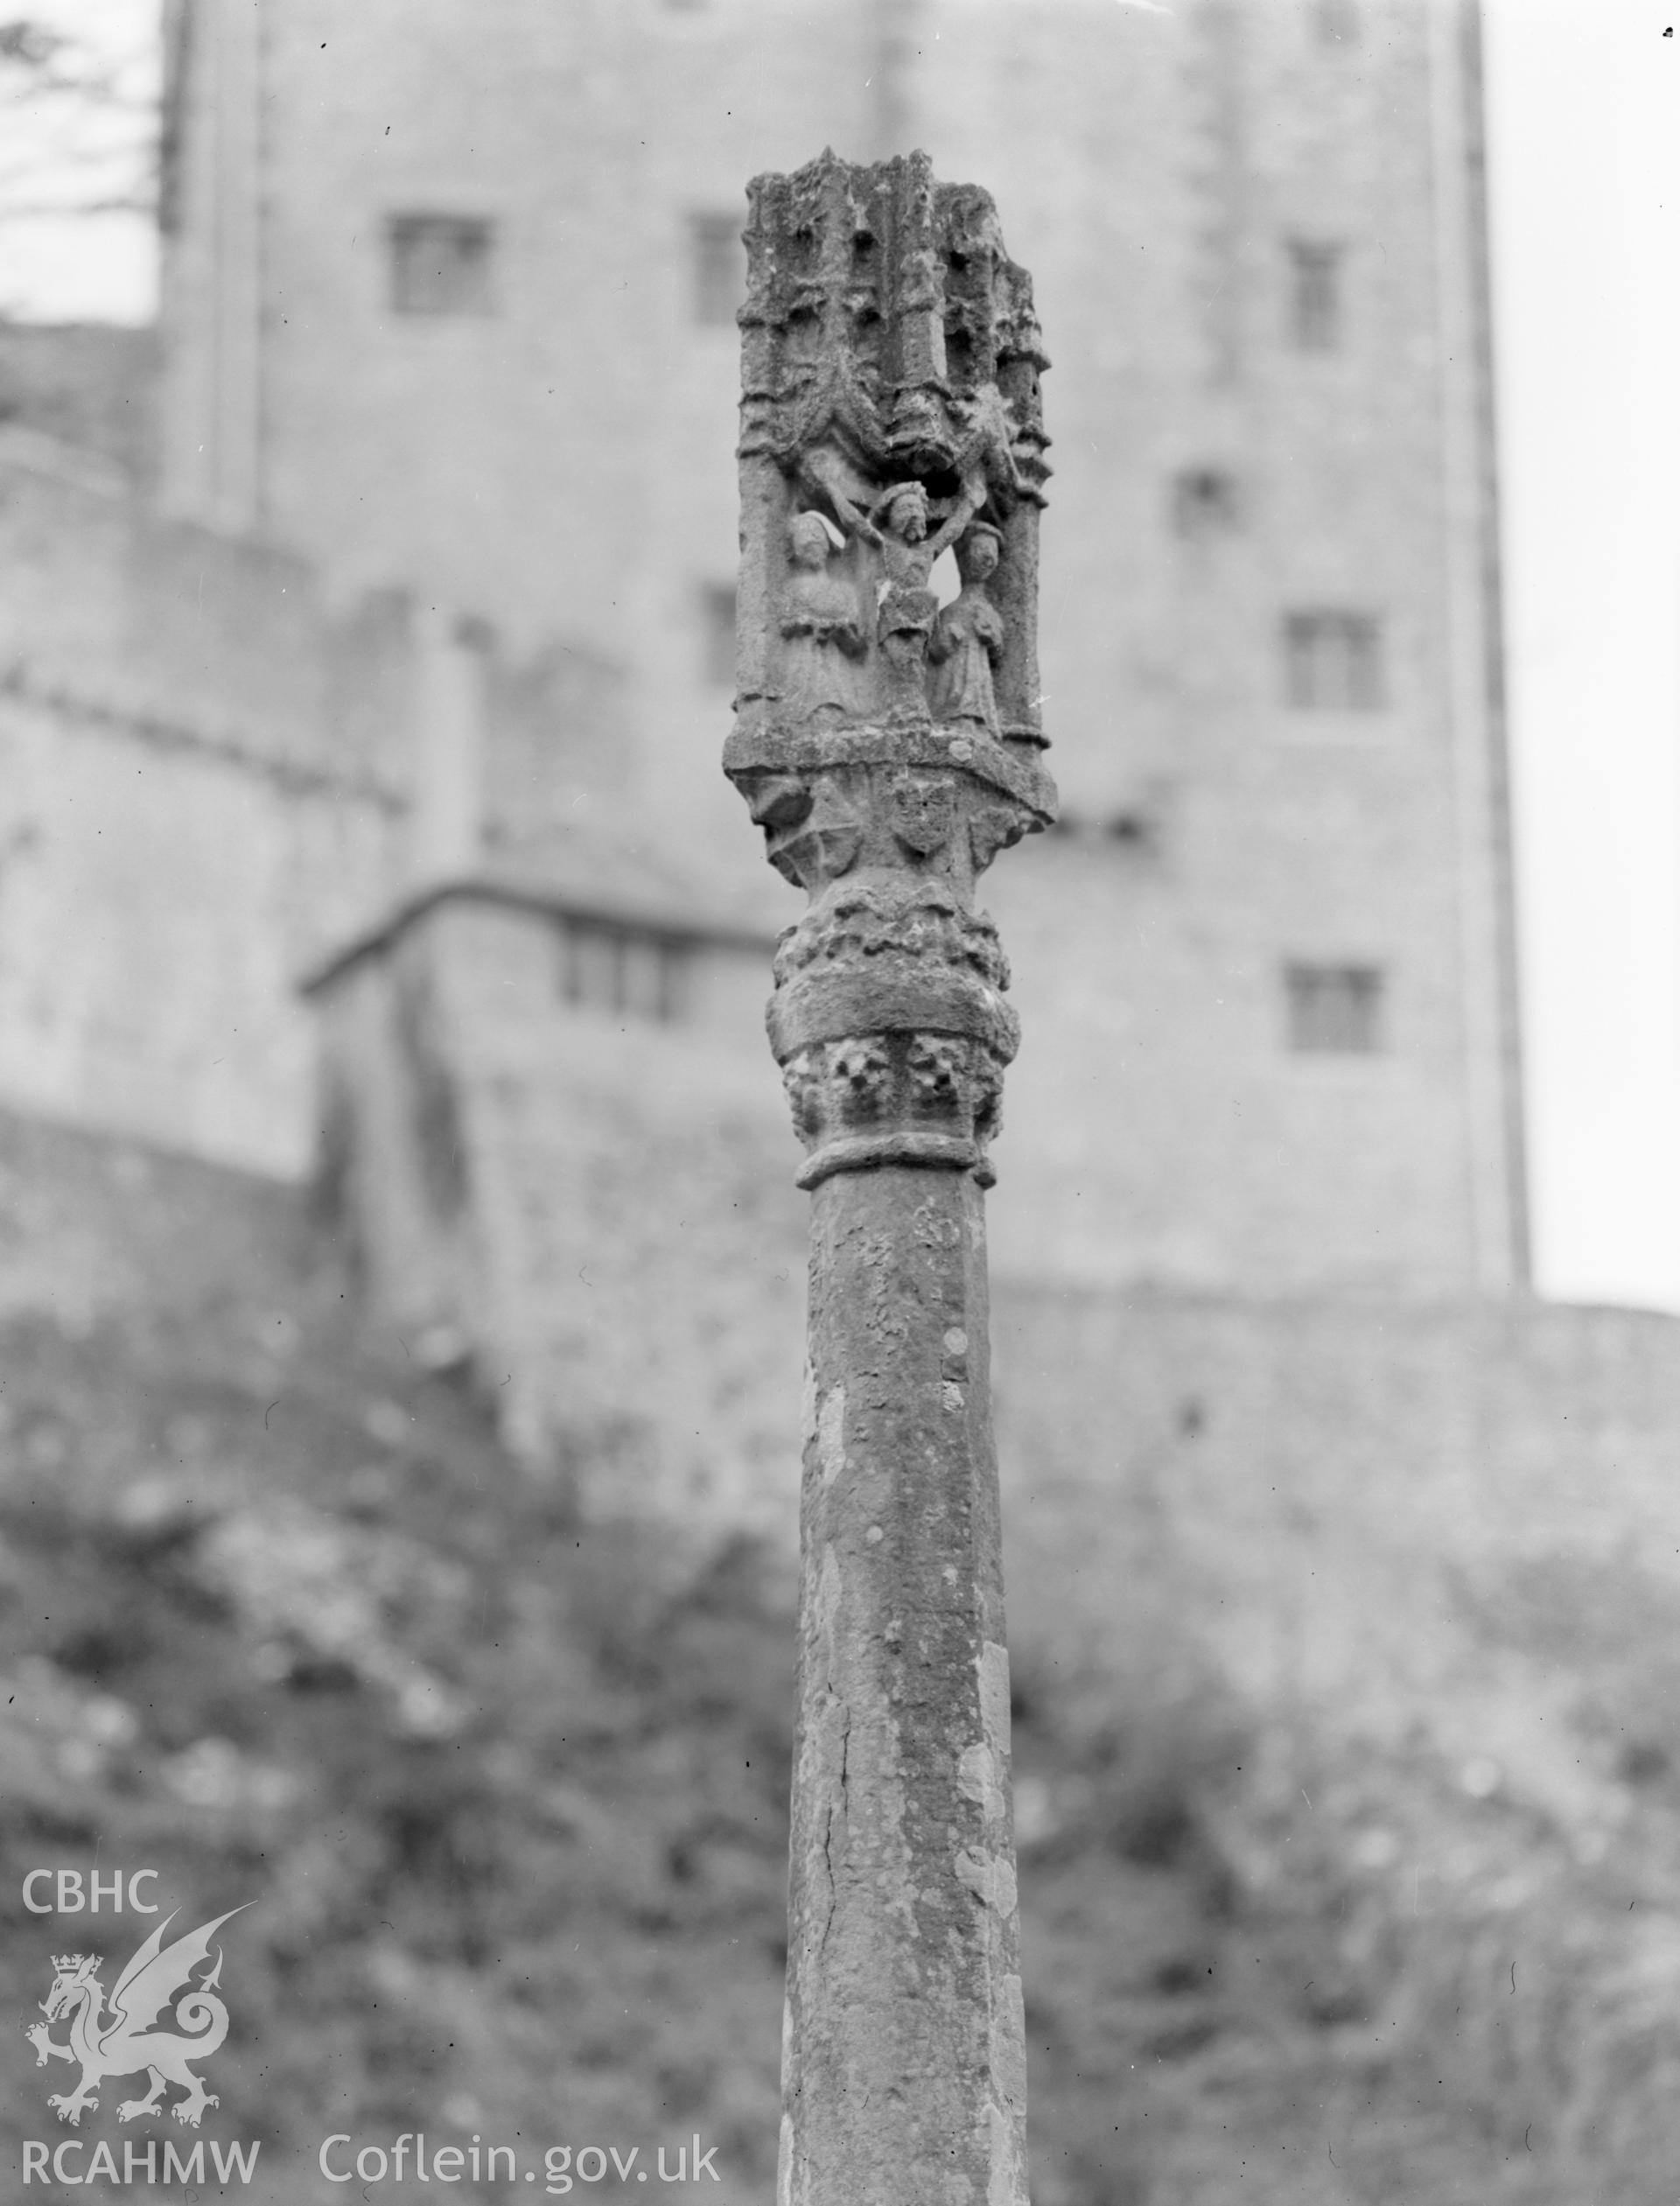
column 908, row 964
column 889, row 749
column 924, row 809
column 919, row 919
column 891, row 408
column 891, row 359
column 859, row 1072
column 968, row 636
column 801, row 1081
column 822, row 632
column 903, row 1098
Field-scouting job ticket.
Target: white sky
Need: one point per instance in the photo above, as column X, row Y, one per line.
column 1584, row 118
column 98, row 267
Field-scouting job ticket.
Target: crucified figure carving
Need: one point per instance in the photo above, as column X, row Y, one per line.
column 907, row 607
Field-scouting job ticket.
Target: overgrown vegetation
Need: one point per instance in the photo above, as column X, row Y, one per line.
column 507, row 1795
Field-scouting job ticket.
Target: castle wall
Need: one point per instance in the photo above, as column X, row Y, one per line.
column 198, row 796
column 1335, row 1499
column 92, row 384
column 102, row 595
column 156, row 897
column 1157, row 1128
column 533, row 1162
column 214, row 782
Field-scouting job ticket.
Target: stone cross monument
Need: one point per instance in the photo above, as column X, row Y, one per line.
column 890, row 747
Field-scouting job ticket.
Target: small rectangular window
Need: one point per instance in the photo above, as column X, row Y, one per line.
column 674, row 982
column 441, row 265
column 1333, row 661
column 717, row 634
column 1315, row 297
column 610, row 967
column 591, row 965
column 718, row 264
column 1334, row 1010
column 1204, row 502
column 642, row 977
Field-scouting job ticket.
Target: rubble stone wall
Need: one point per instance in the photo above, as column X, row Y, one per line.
column 1332, row 1494
column 599, row 1205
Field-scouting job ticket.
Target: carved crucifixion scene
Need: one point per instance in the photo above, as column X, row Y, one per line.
column 892, row 396
column 889, row 744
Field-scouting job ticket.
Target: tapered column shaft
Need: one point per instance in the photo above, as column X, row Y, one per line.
column 905, row 2054
column 889, row 746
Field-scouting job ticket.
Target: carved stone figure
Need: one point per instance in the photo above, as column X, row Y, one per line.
column 802, row 1081
column 823, row 635
column 909, row 608
column 938, row 1068
column 860, row 1072
column 968, row 637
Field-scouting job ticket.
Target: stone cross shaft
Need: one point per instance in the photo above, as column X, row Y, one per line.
column 889, row 746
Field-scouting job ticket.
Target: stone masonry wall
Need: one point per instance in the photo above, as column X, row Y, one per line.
column 1329, row 1495
column 90, row 383
column 156, row 899
column 198, row 795
column 1324, row 1495
column 212, row 782
column 600, row 1207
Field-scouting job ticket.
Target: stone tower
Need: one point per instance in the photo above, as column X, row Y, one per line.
column 451, row 295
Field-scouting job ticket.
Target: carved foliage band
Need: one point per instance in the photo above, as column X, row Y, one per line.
column 900, row 1098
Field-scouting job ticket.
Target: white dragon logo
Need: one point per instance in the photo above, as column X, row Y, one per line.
column 124, row 2042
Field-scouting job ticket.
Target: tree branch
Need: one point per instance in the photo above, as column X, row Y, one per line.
column 79, row 124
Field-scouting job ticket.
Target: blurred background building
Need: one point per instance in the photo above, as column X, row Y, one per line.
column 365, row 655
column 450, row 309
column 432, row 562
column 369, row 648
